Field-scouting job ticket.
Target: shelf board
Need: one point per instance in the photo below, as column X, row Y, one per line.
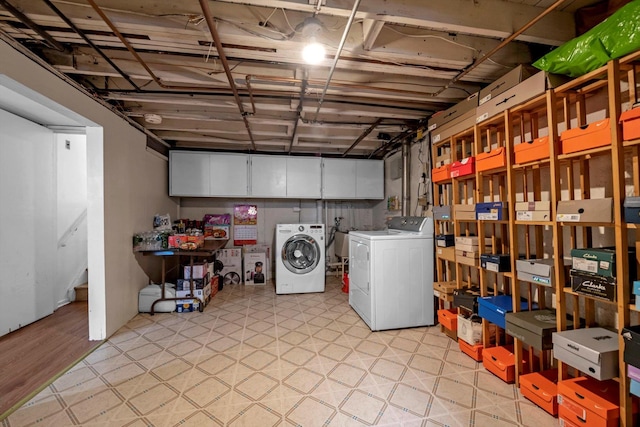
column 465, row 177
column 539, row 102
column 465, row 220
column 586, row 224
column 545, row 223
column 631, row 143
column 570, row 292
column 585, row 153
column 443, row 182
column 495, row 171
column 533, row 165
column 633, row 307
column 494, row 221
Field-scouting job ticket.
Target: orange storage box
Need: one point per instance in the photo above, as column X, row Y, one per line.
column 442, row 173
column 586, row 401
column 501, row 362
column 593, row 135
column 494, row 159
column 473, row 351
column 464, row 167
column 531, row 151
column 630, row 124
column 541, row 388
column 448, row 318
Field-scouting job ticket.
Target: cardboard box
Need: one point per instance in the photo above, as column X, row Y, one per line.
column 217, row 232
column 594, row 285
column 492, row 211
column 593, row 135
column 593, row 351
column 531, row 151
column 442, row 213
column 589, row 402
column 538, row 271
column 445, row 287
column 496, row 262
column 631, row 335
column 464, row 212
column 630, row 124
column 440, row 174
column 264, row 248
column 231, row 260
column 454, row 127
column 451, row 333
column 632, row 210
column 187, row 305
column 448, row 318
column 203, row 294
column 588, row 210
column 200, row 270
column 503, row 84
column 501, row 362
column 255, row 266
column 464, row 167
column 467, row 257
column 470, row 329
column 467, row 299
column 601, row 261
column 533, row 211
column 448, row 254
column 442, row 117
column 494, row 159
column 533, row 328
column 494, row 308
column 471, row 240
column 541, row 388
column 473, row 351
column 520, row 93
column 444, row 240
column 185, row 284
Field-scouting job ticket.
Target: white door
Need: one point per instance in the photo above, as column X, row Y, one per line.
column 338, row 178
column 370, row 179
column 268, row 176
column 189, row 174
column 359, row 278
column 27, row 222
column 229, row 174
column 304, row 177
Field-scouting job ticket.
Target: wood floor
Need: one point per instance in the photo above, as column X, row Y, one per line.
column 31, row 356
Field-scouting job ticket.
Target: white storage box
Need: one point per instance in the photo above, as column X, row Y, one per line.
column 593, row 351
column 231, row 260
column 149, row 294
column 255, row 266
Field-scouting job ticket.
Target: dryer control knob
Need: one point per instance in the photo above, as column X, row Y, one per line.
column 301, row 228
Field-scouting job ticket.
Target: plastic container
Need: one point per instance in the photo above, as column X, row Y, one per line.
column 149, row 294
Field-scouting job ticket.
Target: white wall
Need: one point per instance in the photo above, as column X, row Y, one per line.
column 27, row 222
column 71, row 200
column 133, row 183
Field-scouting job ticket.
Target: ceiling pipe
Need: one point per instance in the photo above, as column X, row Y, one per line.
column 35, row 27
column 500, row 46
column 337, row 56
column 363, row 136
column 90, row 43
column 303, row 90
column 250, row 91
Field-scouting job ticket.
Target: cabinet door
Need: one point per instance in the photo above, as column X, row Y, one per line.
column 338, row 178
column 189, row 174
column 370, row 179
column 304, row 177
column 229, row 174
column 268, row 176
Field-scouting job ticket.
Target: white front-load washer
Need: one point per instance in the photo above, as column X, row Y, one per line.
column 300, row 266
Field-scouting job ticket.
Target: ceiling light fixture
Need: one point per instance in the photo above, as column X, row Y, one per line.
column 313, row 52
column 154, row 119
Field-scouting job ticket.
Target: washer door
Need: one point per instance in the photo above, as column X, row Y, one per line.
column 300, row 254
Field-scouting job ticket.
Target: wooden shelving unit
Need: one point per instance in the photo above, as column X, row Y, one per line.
column 603, row 93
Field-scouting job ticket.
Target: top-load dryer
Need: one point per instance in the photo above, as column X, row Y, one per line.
column 300, row 258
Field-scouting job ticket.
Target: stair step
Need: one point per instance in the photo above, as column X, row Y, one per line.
column 82, row 292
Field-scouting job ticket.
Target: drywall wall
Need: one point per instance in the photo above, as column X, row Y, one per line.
column 126, row 186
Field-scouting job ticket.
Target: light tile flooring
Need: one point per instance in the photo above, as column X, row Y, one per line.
column 254, row 358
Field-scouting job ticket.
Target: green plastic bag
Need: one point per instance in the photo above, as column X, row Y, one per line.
column 614, row 37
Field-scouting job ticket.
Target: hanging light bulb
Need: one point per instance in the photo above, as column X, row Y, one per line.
column 313, row 53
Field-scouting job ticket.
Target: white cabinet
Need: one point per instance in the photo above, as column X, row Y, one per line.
column 304, row 177
column 352, row 179
column 189, row 173
column 338, row 179
column 229, row 175
column 369, row 179
column 268, row 176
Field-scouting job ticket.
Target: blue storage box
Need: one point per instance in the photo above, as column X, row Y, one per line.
column 632, row 210
column 495, row 308
column 635, row 388
column 491, row 211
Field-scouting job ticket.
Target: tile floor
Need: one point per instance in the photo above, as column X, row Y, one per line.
column 253, row 358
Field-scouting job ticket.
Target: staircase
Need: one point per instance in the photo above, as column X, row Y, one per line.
column 82, row 292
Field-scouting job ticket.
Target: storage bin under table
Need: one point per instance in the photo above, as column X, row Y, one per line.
column 593, row 351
